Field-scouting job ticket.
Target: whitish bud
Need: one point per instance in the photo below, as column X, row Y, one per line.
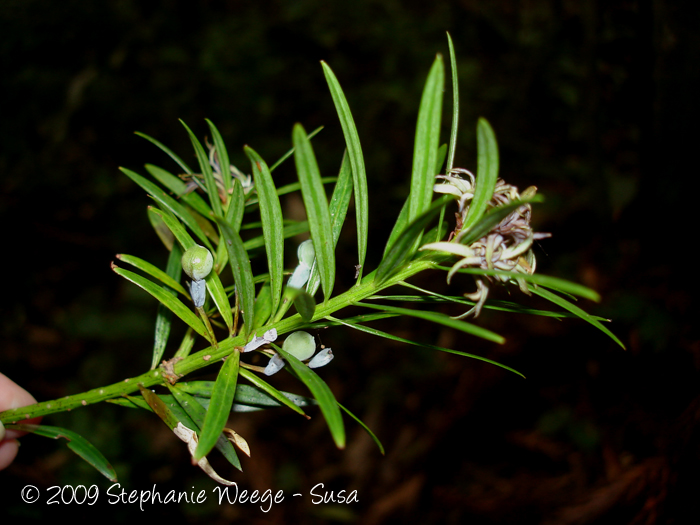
column 324, row 357
column 275, row 365
column 197, row 262
column 306, row 253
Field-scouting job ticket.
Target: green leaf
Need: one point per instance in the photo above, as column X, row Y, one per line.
column 175, row 227
column 367, row 429
column 338, row 208
column 167, row 150
column 290, row 230
column 566, row 305
column 220, row 406
column 271, row 390
column 504, row 306
column 242, row 272
column 303, row 301
column 486, row 172
column 218, row 294
column 316, row 206
column 399, row 226
column 234, row 214
column 186, row 344
column 170, row 204
column 234, row 217
column 359, row 177
column 291, row 152
column 386, row 335
column 246, row 395
column 205, row 167
column 319, row 389
column 164, row 316
column 161, row 409
column 78, row 444
column 170, row 302
column 544, row 280
column 455, row 106
column 222, row 155
column 427, row 140
column 179, row 188
column 271, row 216
column 442, row 319
column 441, row 155
column 263, row 306
column 156, row 272
column 163, row 232
column 404, row 245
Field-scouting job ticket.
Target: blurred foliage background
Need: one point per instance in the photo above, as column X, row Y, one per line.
column 593, row 102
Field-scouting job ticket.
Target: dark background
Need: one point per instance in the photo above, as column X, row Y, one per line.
column 593, row 102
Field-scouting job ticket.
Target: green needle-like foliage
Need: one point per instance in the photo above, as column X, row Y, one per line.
column 242, row 312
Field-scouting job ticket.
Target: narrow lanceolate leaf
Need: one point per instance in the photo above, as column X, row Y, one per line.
column 78, row 444
column 427, row 140
column 236, row 207
column 403, row 247
column 156, row 272
column 220, row 405
column 161, row 409
column 205, row 167
column 218, row 294
column 170, row 302
column 169, row 203
column 441, row 156
column 167, row 150
column 386, row 335
column 290, row 152
column 399, row 227
column 263, row 306
column 175, row 227
column 234, row 217
column 555, row 283
column 197, row 413
column 222, row 155
column 164, row 316
column 340, row 202
column 272, row 226
column 246, row 395
column 303, row 302
column 566, row 305
column 242, row 272
column 271, row 390
column 486, row 172
column 367, row 429
column 290, row 230
column 163, row 232
column 179, row 188
column 324, row 396
column 442, row 319
column 316, row 206
column 359, row 177
column 455, row 106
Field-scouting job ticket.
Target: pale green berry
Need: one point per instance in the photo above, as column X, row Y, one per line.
column 300, row 344
column 197, row 262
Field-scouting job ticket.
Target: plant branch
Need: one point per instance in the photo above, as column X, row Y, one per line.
column 172, row 370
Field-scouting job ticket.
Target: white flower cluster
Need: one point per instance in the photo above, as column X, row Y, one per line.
column 507, row 246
